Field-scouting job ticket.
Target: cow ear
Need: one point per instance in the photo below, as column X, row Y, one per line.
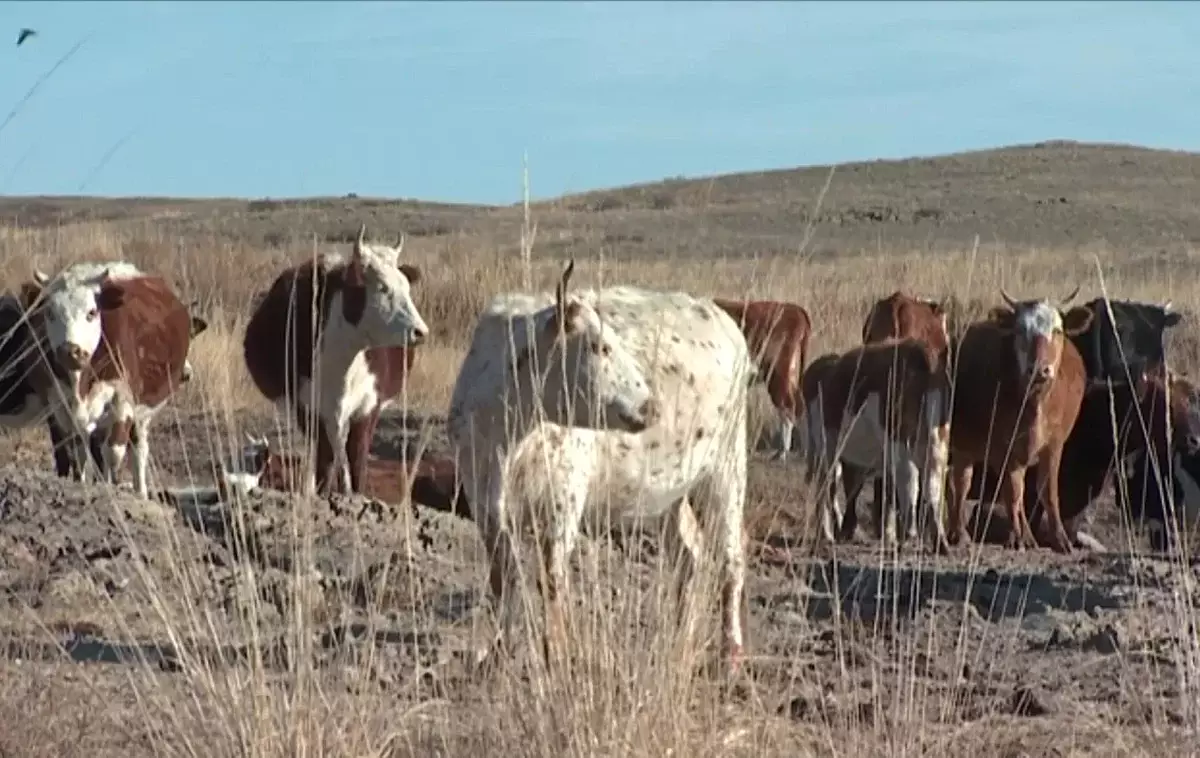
column 411, row 272
column 30, row 292
column 565, row 321
column 1001, row 318
column 110, row 298
column 198, row 326
column 1171, row 319
column 1077, row 320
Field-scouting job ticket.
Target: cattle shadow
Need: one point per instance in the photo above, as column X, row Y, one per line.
column 868, row 593
column 275, row 653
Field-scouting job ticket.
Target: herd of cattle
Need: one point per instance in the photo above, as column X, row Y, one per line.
column 630, row 404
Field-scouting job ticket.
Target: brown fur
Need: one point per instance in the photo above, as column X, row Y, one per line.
column 777, row 334
column 433, row 484
column 897, row 316
column 988, row 419
column 279, row 346
column 146, row 333
column 900, row 372
column 1139, row 413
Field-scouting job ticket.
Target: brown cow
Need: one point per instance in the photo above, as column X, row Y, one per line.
column 897, row 316
column 1019, row 383
column 777, row 335
column 433, row 483
column 359, row 342
column 116, row 347
column 879, row 407
column 1120, row 423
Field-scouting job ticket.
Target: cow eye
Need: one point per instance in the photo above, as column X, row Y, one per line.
column 92, row 314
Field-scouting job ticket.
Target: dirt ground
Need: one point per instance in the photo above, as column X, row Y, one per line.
column 290, row 627
column 113, row 605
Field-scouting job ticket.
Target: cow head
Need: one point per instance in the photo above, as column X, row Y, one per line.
column 377, row 295
column 1132, row 336
column 69, row 314
column 1038, row 332
column 588, row 368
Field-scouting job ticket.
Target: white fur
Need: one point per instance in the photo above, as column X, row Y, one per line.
column 1041, row 320
column 864, row 443
column 682, row 353
column 348, row 390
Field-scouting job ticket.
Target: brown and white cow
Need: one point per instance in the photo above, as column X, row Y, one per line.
column 881, row 409
column 897, row 316
column 777, row 334
column 1018, row 386
column 334, row 337
column 116, row 346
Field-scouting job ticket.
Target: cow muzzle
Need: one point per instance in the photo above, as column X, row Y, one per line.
column 1041, row 376
column 72, row 357
column 417, row 336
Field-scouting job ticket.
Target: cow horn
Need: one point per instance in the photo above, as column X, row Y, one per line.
column 399, row 244
column 360, row 239
column 1067, row 300
column 40, row 277
column 1166, row 307
column 560, row 294
column 1011, row 303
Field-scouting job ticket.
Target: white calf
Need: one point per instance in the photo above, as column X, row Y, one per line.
column 669, row 371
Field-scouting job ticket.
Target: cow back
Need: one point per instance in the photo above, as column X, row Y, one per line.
column 144, row 340
column 18, row 356
column 283, row 331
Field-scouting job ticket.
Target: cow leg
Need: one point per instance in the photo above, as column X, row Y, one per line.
column 358, row 448
column 140, row 437
column 1012, row 493
column 503, row 576
column 853, row 479
column 59, row 441
column 903, row 510
column 557, row 547
column 877, row 506
column 96, row 451
column 960, row 482
column 1047, row 478
column 684, row 543
column 116, row 445
column 726, row 505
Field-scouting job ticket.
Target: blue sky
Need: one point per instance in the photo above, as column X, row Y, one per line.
column 438, row 101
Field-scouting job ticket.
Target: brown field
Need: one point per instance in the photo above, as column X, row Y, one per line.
column 288, row 628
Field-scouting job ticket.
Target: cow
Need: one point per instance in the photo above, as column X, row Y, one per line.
column 1126, row 342
column 335, row 337
column 877, row 406
column 116, row 344
column 580, row 411
column 1018, row 386
column 897, row 316
column 1122, row 425
column 433, row 482
column 777, row 334
column 1167, row 482
column 20, row 372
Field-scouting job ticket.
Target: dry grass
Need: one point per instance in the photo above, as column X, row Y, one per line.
column 631, row 694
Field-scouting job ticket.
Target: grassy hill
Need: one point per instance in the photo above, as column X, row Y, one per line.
column 1048, row 195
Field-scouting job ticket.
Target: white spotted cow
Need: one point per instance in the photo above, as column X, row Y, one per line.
column 616, row 406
